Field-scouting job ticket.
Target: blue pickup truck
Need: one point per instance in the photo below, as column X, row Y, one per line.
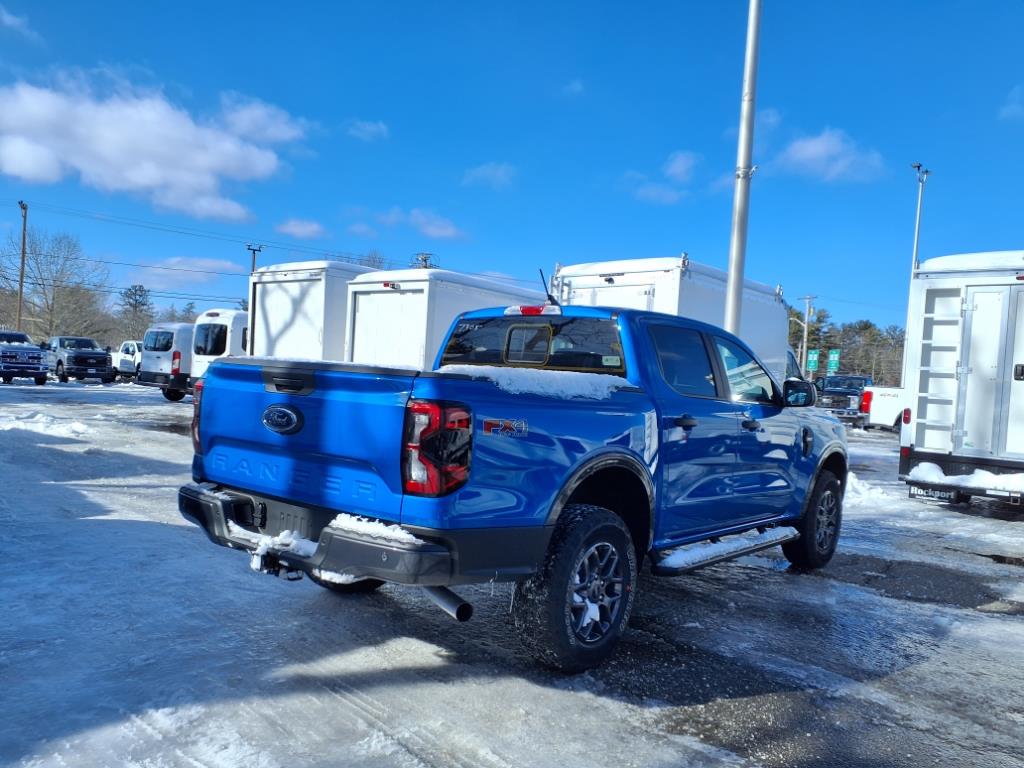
column 557, row 448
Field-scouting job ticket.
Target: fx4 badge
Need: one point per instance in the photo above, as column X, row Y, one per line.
column 506, row 427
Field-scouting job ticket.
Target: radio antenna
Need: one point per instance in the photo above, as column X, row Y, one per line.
column 551, row 299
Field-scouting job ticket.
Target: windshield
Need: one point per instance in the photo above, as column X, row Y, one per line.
column 13, row 337
column 845, row 382
column 556, row 343
column 78, row 343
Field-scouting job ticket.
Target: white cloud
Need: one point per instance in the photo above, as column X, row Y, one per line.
column 17, row 23
column 830, row 156
column 490, row 174
column 303, row 229
column 361, row 229
column 258, row 121
column 185, row 271
column 573, row 87
column 136, row 141
column 430, row 224
column 679, row 166
column 367, row 130
column 1013, row 107
column 768, row 118
column 656, row 192
column 426, row 222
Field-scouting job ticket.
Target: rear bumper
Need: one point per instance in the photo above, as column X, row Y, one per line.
column 165, row 380
column 956, row 467
column 438, row 557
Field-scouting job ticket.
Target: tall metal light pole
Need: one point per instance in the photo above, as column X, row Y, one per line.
column 21, row 273
column 922, row 177
column 807, row 322
column 744, row 170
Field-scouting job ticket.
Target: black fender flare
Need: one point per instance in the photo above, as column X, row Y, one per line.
column 608, row 459
column 832, row 449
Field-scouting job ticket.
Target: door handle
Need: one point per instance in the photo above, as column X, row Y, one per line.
column 686, row 421
column 752, row 424
column 1018, row 372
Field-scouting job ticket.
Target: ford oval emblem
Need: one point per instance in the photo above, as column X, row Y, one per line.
column 282, row 419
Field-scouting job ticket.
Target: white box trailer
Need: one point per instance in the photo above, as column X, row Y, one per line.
column 963, row 427
column 298, row 310
column 399, row 318
column 678, row 286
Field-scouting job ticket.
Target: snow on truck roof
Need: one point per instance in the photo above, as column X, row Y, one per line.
column 296, row 266
column 970, row 262
column 445, row 276
column 654, row 264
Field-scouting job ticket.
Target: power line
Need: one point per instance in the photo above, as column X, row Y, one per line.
column 99, row 288
column 141, row 266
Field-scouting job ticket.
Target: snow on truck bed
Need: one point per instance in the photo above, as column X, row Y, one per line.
column 535, row 381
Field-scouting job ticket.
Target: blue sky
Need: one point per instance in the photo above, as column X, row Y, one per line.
column 507, row 138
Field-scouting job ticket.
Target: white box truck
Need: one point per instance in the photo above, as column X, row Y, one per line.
column 399, row 318
column 298, row 310
column 963, row 418
column 678, row 286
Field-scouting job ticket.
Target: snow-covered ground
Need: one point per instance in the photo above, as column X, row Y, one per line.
column 129, row 640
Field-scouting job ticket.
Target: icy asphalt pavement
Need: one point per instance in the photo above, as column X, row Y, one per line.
column 129, row 640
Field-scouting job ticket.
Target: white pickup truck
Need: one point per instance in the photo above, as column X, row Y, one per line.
column 882, row 407
column 127, row 359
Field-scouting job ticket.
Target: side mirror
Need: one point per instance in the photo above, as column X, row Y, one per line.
column 798, row 394
column 44, row 345
column 106, row 349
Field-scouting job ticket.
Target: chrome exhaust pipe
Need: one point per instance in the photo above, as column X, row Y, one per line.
column 450, row 603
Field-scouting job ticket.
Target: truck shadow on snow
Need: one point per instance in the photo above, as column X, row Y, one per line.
column 119, row 617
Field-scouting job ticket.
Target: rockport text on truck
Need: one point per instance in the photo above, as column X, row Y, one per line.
column 557, row 448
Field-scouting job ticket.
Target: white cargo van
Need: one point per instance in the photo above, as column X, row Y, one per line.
column 218, row 332
column 299, row 310
column 678, row 286
column 399, row 318
column 963, row 378
column 167, row 359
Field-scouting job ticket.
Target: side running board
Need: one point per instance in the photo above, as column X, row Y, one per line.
column 680, row 560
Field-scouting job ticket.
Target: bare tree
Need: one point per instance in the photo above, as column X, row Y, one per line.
column 135, row 311
column 373, row 259
column 64, row 292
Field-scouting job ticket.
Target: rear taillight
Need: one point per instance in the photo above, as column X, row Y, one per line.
column 905, row 451
column 529, row 311
column 865, row 402
column 176, row 363
column 437, row 447
column 906, row 415
column 197, row 396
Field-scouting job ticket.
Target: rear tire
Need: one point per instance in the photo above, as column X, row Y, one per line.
column 362, row 587
column 819, row 529
column 40, row 381
column 8, row 379
column 572, row 612
column 174, row 395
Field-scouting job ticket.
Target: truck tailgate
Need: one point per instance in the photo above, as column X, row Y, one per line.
column 323, row 434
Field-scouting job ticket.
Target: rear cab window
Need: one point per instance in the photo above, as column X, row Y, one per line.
column 158, row 341
column 549, row 342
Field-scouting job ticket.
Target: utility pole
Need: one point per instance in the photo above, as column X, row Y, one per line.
column 21, row 274
column 254, row 249
column 744, row 170
column 807, row 322
column 922, row 177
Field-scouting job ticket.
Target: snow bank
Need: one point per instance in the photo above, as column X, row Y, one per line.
column 535, row 381
column 45, row 425
column 859, row 491
column 374, row 528
column 698, row 553
column 932, row 473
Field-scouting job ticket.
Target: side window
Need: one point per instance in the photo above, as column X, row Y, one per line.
column 126, row 349
column 748, row 381
column 683, row 359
